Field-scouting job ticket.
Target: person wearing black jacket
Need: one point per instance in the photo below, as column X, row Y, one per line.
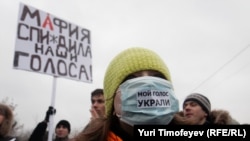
column 197, row 111
column 62, row 129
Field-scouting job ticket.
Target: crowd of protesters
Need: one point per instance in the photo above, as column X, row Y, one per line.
column 132, row 77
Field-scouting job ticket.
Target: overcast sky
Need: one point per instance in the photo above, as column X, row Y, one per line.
column 205, row 44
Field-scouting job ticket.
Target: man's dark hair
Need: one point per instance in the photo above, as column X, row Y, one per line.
column 97, row 92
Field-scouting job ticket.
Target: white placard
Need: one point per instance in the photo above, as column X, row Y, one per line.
column 51, row 45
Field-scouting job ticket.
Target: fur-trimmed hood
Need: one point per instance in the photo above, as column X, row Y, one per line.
column 219, row 117
column 6, row 125
column 222, row 117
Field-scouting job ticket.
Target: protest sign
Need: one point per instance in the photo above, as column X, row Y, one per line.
column 50, row 45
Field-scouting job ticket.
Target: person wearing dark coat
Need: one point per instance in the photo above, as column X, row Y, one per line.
column 197, row 111
column 62, row 129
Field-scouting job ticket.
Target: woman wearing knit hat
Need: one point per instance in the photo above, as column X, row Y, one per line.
column 138, row 91
column 197, row 111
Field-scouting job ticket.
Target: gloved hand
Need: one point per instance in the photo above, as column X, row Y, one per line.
column 50, row 111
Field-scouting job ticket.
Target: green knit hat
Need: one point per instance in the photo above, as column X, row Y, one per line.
column 127, row 62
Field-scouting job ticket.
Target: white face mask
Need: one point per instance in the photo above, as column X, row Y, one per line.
column 146, row 100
